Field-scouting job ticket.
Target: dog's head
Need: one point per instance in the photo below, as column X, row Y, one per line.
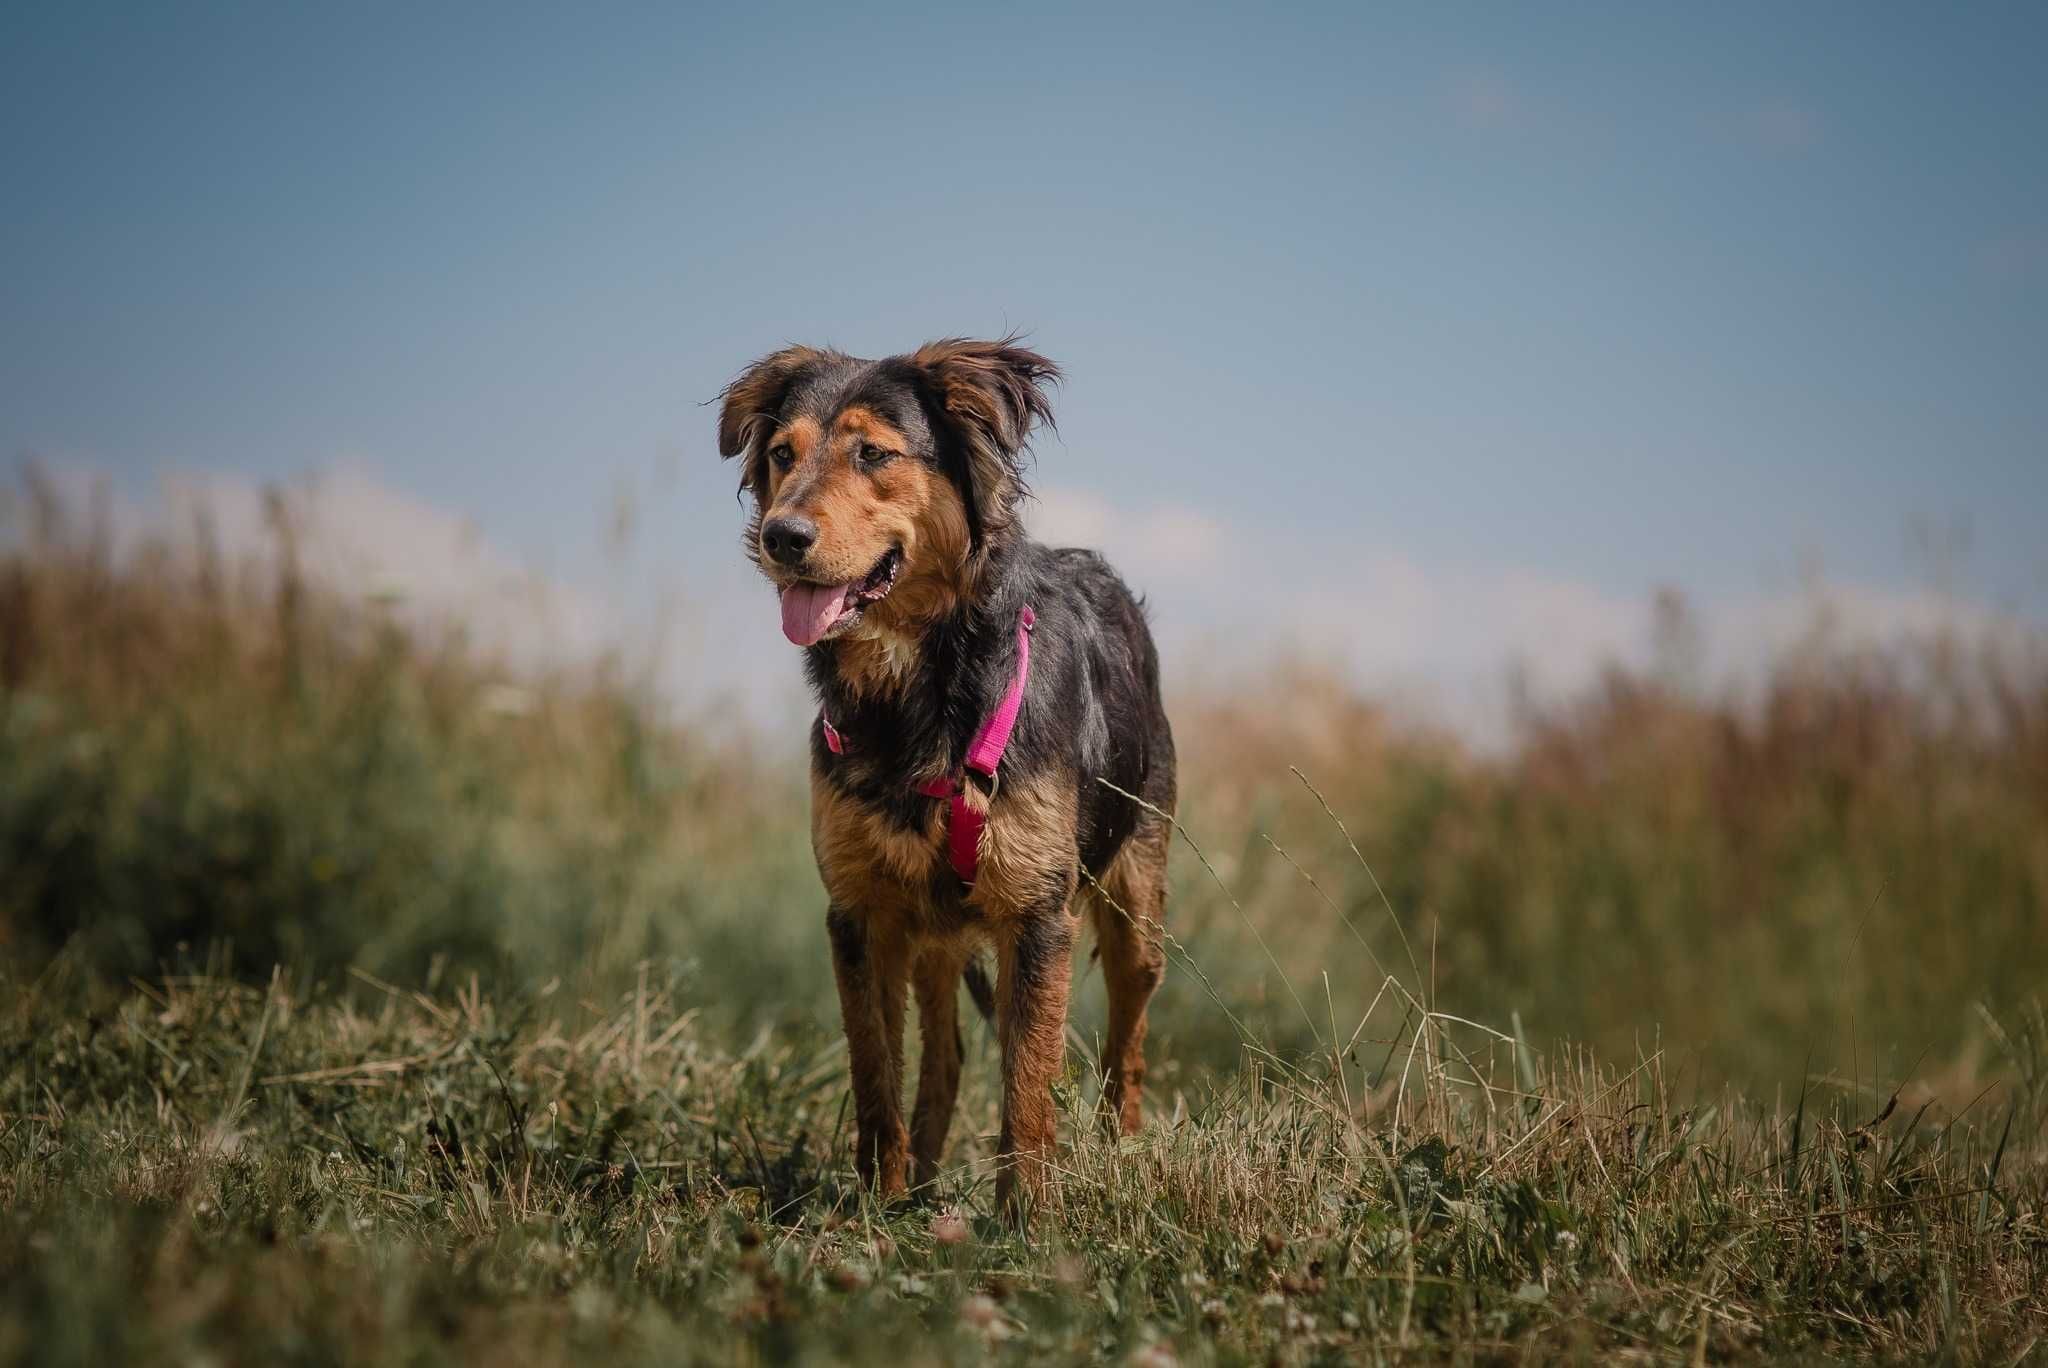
column 880, row 487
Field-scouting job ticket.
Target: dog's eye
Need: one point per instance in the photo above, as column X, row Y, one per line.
column 783, row 457
column 874, row 455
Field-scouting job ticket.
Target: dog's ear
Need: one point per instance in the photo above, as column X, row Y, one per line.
column 752, row 401
column 991, row 394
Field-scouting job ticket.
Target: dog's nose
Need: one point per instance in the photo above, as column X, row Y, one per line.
column 788, row 540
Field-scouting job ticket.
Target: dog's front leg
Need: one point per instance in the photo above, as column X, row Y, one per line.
column 1035, row 971
column 872, row 973
column 935, row 981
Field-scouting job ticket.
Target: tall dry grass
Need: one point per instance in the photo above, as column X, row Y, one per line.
column 1828, row 877
column 1835, row 868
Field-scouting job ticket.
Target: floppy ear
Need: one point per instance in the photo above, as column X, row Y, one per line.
column 992, row 395
column 752, row 401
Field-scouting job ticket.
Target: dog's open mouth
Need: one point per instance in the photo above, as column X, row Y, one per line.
column 812, row 612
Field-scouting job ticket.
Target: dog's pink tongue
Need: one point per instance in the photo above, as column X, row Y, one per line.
column 809, row 610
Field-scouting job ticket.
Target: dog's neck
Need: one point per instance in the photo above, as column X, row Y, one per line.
column 922, row 691
column 878, row 661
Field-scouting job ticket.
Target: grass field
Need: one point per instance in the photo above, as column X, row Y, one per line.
column 363, row 1001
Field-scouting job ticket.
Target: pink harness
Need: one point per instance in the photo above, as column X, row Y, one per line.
column 963, row 823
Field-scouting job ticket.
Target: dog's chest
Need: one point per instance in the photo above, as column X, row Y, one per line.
column 881, row 860
column 874, row 859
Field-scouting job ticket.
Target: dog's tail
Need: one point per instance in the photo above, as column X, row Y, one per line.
column 979, row 988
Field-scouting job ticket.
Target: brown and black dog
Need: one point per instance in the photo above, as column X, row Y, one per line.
column 885, row 512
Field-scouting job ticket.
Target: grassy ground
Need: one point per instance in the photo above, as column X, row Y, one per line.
column 201, row 1170
column 362, row 1001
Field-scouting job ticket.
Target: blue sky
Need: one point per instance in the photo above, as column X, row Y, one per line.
column 1449, row 297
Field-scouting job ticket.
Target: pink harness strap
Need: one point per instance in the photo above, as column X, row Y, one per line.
column 963, row 823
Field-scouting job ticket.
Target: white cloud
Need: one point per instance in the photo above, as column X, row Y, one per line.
column 1390, row 616
column 1383, row 615
column 1228, row 604
column 1751, row 631
column 1438, row 642
column 705, row 648
column 1444, row 642
column 1169, row 538
column 359, row 537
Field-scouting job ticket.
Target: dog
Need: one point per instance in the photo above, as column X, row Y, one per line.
column 991, row 754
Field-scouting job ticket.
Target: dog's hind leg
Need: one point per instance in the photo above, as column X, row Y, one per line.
column 936, row 982
column 1130, row 911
